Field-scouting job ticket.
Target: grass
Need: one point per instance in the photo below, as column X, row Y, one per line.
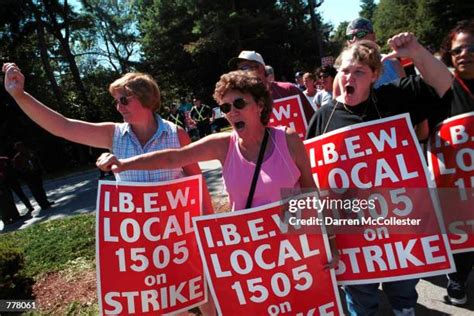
column 56, row 245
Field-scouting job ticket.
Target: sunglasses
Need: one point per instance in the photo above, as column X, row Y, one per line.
column 323, row 76
column 238, row 103
column 123, row 100
column 458, row 50
column 357, row 35
column 248, row 67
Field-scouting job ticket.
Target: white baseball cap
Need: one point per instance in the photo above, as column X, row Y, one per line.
column 246, row 55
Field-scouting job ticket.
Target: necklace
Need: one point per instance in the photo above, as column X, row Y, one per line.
column 347, row 109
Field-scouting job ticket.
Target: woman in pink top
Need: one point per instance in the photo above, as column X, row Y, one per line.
column 247, row 105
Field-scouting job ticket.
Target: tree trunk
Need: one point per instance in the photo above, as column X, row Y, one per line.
column 45, row 60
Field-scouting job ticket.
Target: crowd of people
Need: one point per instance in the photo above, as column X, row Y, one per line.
column 366, row 86
column 198, row 120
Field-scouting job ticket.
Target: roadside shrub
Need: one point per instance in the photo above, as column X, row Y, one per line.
column 14, row 284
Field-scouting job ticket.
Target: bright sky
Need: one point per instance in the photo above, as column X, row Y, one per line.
column 336, row 11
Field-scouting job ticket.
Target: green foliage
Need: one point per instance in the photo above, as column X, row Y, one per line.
column 367, row 9
column 338, row 38
column 13, row 281
column 392, row 17
column 187, row 45
column 53, row 245
column 430, row 20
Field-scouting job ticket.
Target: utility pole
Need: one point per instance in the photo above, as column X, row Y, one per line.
column 312, row 5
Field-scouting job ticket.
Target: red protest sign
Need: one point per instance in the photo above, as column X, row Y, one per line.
column 257, row 265
column 289, row 112
column 147, row 257
column 380, row 162
column 451, row 163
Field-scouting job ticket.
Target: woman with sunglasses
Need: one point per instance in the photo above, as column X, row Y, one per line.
column 247, row 105
column 359, row 67
column 457, row 51
column 137, row 99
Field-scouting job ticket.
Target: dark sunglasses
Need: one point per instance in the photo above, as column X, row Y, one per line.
column 458, row 50
column 323, row 75
column 123, row 100
column 238, row 103
column 357, row 35
column 248, row 67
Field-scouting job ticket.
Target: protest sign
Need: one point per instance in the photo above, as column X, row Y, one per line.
column 380, row 162
column 289, row 112
column 147, row 257
column 451, row 163
column 256, row 264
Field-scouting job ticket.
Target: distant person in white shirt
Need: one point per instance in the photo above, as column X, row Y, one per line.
column 326, row 76
column 309, row 81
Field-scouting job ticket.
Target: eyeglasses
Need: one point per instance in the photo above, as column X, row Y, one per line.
column 247, row 67
column 323, row 75
column 238, row 103
column 458, row 50
column 357, row 35
column 123, row 100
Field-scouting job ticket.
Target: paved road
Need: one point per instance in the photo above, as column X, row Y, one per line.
column 76, row 194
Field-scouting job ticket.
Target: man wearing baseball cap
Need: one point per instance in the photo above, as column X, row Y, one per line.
column 362, row 28
column 249, row 60
column 299, row 81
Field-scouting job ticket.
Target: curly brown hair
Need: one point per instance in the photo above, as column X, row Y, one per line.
column 141, row 85
column 465, row 26
column 365, row 52
column 245, row 82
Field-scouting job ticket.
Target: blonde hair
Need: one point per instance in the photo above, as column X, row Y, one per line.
column 140, row 85
column 365, row 52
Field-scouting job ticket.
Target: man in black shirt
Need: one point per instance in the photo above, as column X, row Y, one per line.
column 201, row 114
column 176, row 116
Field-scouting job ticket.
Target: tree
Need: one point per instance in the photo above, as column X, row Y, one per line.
column 430, row 20
column 367, row 9
column 392, row 17
column 114, row 38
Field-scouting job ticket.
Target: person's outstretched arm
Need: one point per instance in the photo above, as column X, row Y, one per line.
column 433, row 71
column 98, row 135
column 208, row 148
column 194, row 169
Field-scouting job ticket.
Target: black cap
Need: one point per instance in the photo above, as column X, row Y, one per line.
column 359, row 24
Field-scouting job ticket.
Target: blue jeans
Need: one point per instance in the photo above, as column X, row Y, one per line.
column 364, row 300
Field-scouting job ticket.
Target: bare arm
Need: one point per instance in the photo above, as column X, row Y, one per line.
column 433, row 71
column 301, row 159
column 98, row 135
column 194, row 169
column 211, row 147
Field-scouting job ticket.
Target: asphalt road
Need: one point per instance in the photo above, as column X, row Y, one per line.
column 76, row 194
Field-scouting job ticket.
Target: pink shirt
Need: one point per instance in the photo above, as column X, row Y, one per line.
column 278, row 171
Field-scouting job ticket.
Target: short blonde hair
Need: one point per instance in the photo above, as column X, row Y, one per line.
column 365, row 52
column 310, row 76
column 141, row 85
